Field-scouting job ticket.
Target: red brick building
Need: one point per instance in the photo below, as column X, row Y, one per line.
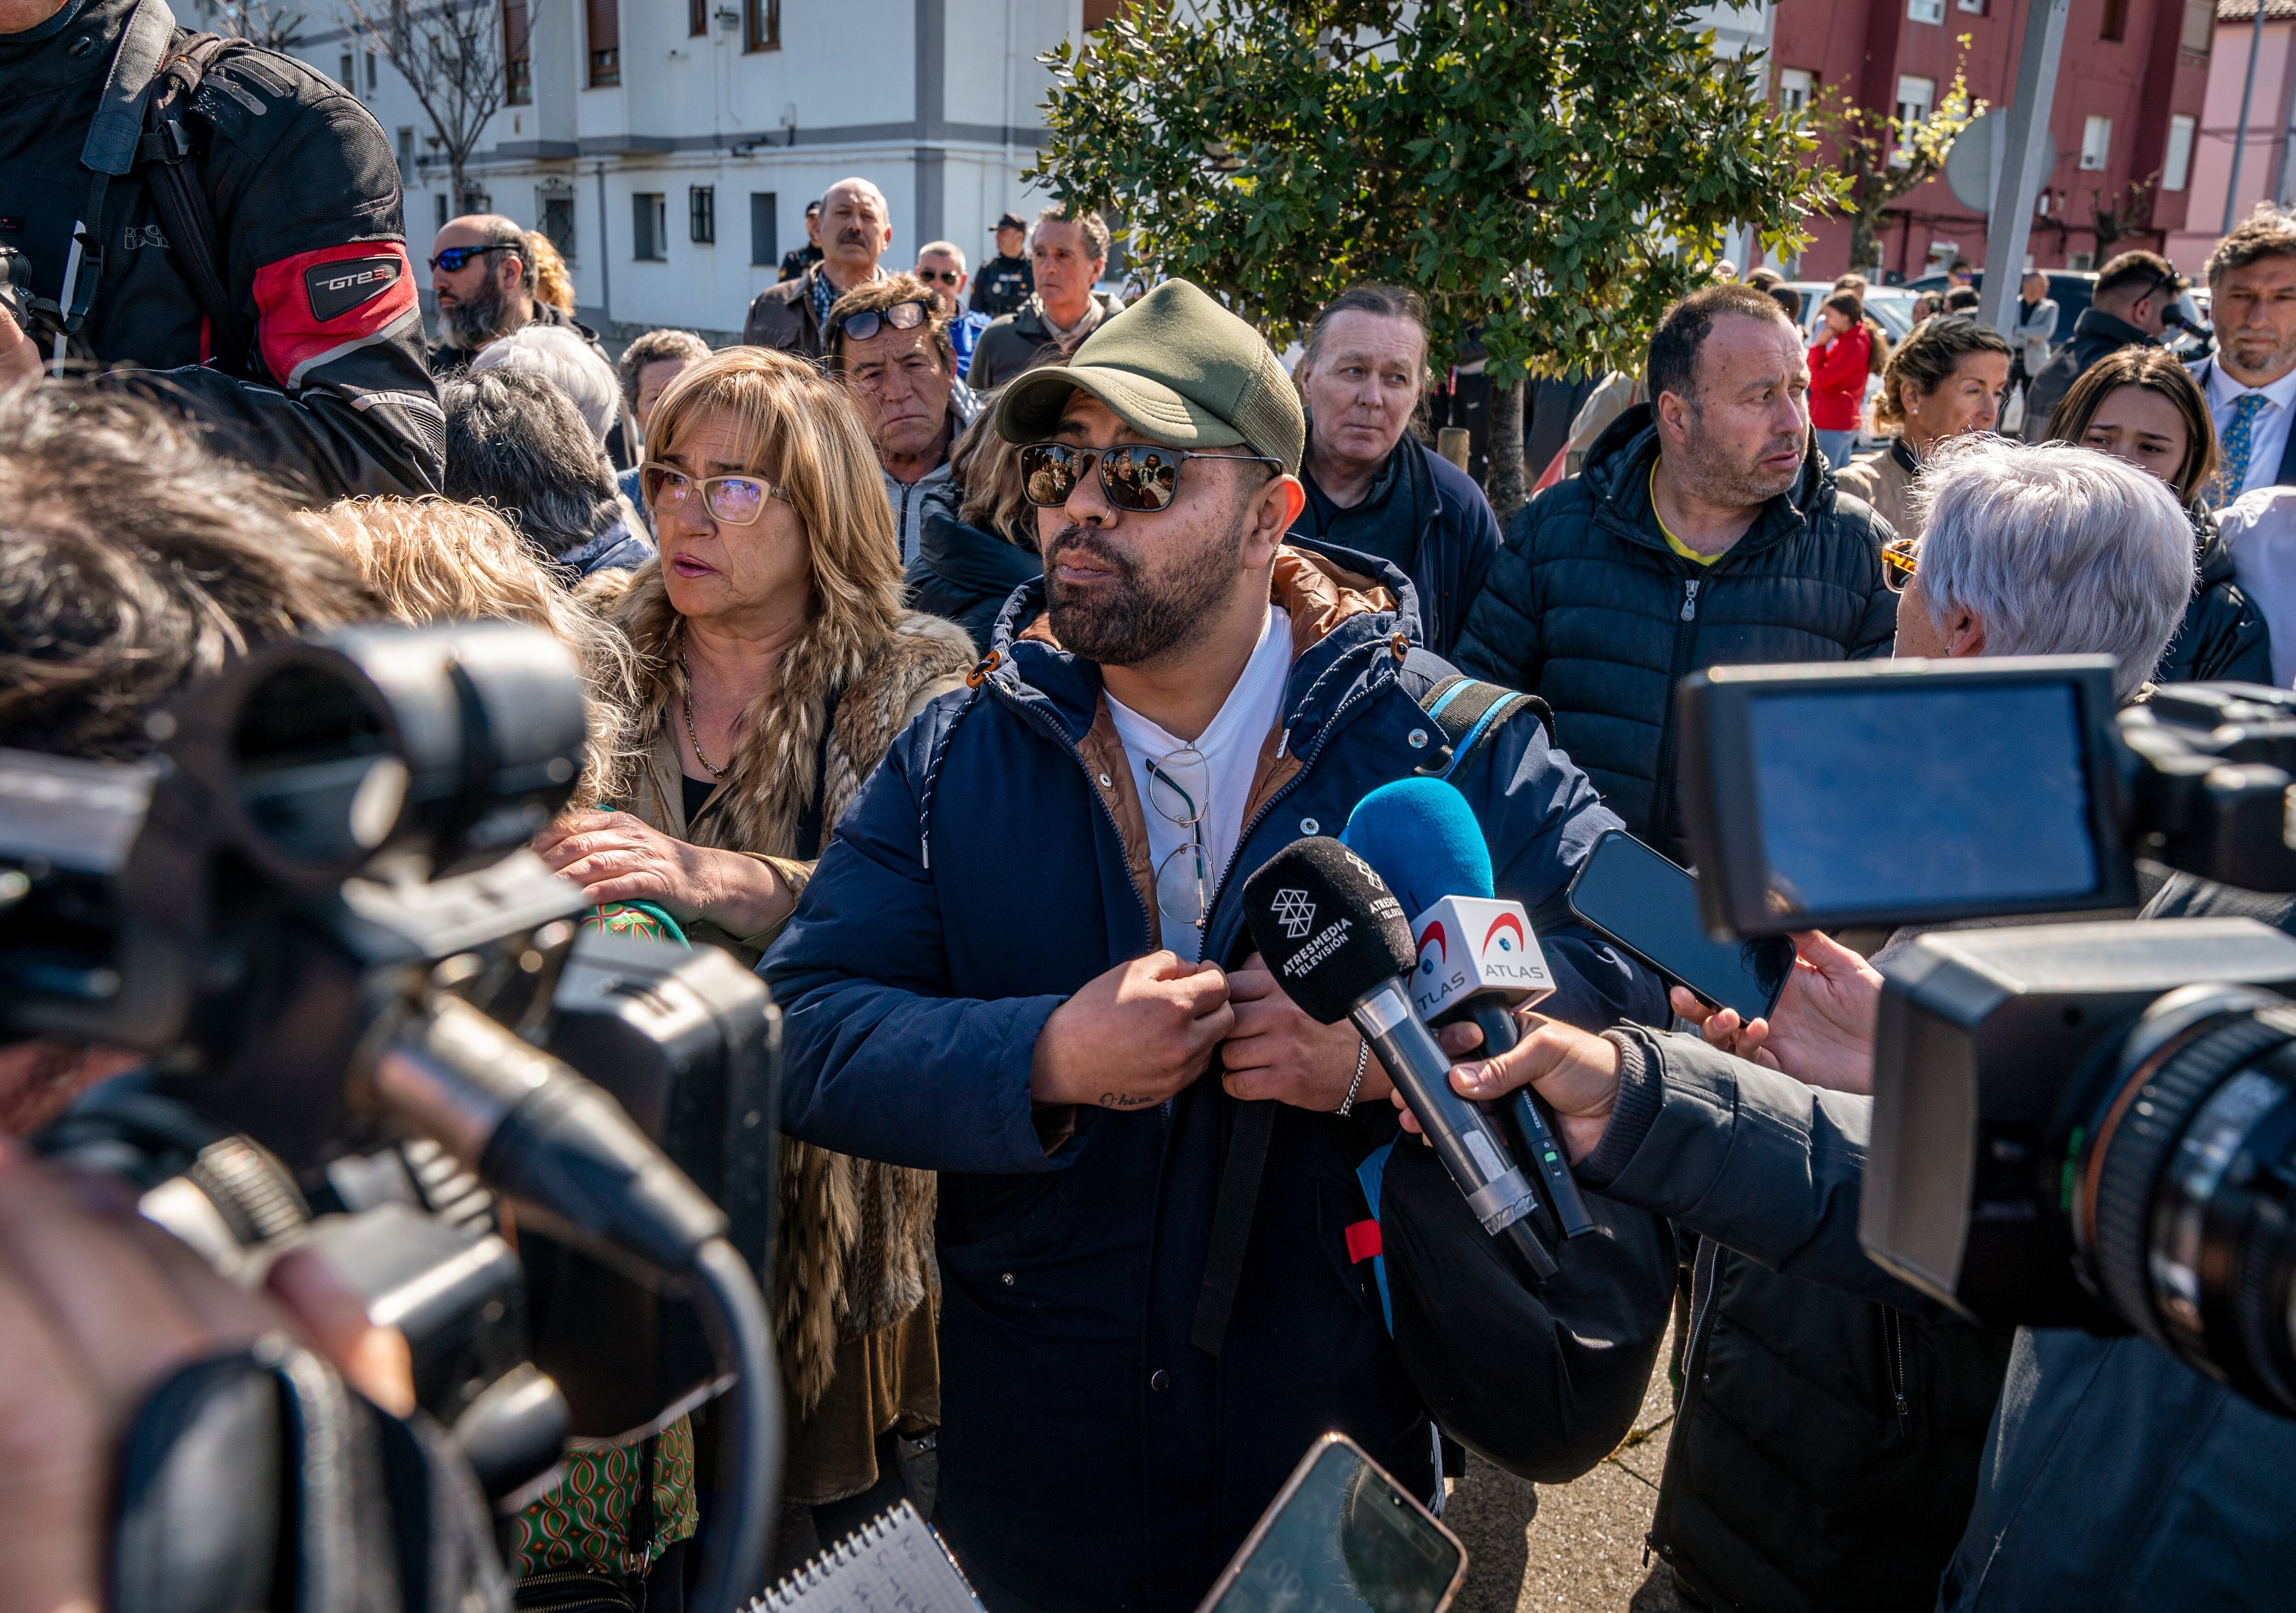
column 2130, row 85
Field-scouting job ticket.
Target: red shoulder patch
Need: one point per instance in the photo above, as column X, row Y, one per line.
column 1364, row 1241
column 317, row 306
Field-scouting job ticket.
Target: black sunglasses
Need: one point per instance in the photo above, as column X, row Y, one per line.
column 944, row 276
column 453, row 258
column 1133, row 475
column 901, row 316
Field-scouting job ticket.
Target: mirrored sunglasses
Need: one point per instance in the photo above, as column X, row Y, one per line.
column 453, row 257
column 1133, row 476
column 1897, row 562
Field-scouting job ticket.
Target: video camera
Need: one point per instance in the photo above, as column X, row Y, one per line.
column 2087, row 1124
column 362, row 997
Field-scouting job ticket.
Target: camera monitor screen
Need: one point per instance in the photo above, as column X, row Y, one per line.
column 1915, row 792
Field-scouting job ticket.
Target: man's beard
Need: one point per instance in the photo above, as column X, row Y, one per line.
column 1724, row 481
column 1127, row 623
column 473, row 321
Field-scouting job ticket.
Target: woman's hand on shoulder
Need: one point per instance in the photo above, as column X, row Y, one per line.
column 615, row 856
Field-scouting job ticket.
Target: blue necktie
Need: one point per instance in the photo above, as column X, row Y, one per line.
column 2239, row 442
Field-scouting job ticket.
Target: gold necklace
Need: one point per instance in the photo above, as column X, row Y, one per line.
column 707, row 765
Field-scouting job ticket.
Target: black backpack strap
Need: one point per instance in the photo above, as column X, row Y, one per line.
column 1239, row 1194
column 1467, row 712
column 164, row 151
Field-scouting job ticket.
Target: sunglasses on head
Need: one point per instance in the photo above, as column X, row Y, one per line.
column 1133, row 475
column 734, row 500
column 901, row 316
column 940, row 276
column 451, row 258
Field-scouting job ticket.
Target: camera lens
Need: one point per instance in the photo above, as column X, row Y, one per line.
column 2181, row 1191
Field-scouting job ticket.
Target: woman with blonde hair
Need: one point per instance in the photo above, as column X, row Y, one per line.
column 1949, row 377
column 553, row 284
column 434, row 560
column 779, row 665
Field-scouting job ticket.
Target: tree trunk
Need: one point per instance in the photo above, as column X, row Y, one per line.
column 1504, row 480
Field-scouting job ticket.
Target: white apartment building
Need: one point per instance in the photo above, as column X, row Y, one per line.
column 669, row 146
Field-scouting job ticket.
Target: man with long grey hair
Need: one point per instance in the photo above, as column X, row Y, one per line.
column 2044, row 550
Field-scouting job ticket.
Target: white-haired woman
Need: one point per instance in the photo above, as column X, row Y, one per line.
column 2043, row 550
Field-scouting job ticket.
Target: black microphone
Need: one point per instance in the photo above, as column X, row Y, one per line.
column 1340, row 943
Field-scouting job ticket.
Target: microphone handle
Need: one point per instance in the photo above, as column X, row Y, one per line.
column 1497, row 1023
column 1471, row 1147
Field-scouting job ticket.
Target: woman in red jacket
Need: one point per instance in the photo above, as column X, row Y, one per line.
column 1838, row 367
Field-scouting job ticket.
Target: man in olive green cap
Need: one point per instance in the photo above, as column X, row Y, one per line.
column 1023, row 961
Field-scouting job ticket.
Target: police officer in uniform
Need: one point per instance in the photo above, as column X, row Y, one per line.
column 284, row 317
column 1004, row 281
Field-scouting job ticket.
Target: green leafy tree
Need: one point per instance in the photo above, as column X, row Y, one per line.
column 1549, row 175
column 1880, row 158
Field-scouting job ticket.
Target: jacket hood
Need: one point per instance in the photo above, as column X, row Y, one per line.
column 1618, row 467
column 1339, row 601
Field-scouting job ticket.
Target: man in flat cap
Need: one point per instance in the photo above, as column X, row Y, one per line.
column 1022, row 963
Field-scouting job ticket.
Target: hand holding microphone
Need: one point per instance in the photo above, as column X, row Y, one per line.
column 1340, row 948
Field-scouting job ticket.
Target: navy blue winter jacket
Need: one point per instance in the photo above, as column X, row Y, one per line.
column 1090, row 1457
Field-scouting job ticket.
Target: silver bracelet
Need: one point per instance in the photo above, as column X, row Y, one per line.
column 1363, row 1063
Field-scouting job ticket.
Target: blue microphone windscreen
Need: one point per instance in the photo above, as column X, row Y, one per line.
column 1423, row 838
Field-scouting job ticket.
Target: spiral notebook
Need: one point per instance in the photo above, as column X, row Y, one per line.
column 894, row 1564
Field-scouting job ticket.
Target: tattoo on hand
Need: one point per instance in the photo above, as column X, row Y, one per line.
column 1124, row 1100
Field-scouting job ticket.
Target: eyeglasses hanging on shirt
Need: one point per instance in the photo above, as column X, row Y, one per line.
column 1179, row 788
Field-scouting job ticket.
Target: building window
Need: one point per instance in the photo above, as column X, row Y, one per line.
column 558, row 224
column 2081, row 261
column 2096, row 144
column 761, row 25
column 2176, row 164
column 1915, row 97
column 650, row 227
column 407, row 153
column 1794, row 86
column 697, row 18
column 370, row 72
column 1976, row 8
column 764, row 238
column 517, row 66
column 441, row 200
column 1925, row 11
column 702, row 214
column 605, row 35
column 2200, row 27
column 348, row 77
column 2115, row 22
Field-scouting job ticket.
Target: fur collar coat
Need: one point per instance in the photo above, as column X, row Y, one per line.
column 853, row 1245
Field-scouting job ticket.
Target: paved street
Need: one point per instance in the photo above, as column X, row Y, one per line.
column 1578, row 1547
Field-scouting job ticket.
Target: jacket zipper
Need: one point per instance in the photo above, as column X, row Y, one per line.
column 1893, row 1347
column 1694, row 1372
column 1685, row 634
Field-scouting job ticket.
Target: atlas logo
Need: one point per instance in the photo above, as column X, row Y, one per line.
column 1433, row 933
column 1498, row 937
column 1294, row 912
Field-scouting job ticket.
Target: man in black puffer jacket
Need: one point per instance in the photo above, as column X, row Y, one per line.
column 1704, row 531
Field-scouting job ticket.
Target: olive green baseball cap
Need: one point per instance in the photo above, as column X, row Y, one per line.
column 1179, row 369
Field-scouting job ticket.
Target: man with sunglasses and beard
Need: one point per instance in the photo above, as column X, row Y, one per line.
column 482, row 274
column 1022, row 962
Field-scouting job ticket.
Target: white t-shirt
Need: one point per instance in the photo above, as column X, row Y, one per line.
column 1230, row 747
